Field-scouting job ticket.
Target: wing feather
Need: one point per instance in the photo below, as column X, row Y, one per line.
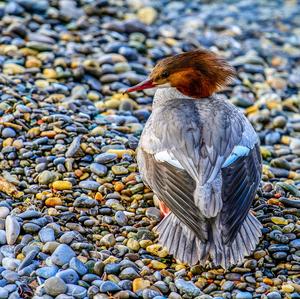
column 175, row 187
column 240, row 181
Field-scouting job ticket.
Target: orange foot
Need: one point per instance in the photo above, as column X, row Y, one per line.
column 163, row 208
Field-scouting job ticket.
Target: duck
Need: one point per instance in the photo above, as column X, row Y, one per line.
column 200, row 155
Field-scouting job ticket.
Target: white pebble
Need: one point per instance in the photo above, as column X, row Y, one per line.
column 12, row 228
column 4, row 211
column 10, row 263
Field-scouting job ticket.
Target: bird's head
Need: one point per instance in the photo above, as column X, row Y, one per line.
column 196, row 74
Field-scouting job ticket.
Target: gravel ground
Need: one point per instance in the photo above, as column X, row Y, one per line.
column 75, row 217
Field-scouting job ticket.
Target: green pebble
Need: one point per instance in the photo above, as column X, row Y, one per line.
column 119, row 170
column 137, row 188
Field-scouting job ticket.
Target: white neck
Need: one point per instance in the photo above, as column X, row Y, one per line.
column 163, row 95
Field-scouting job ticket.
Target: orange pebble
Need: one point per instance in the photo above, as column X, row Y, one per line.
column 49, row 134
column 98, row 196
column 268, row 281
column 273, row 201
column 119, row 186
column 190, row 275
column 78, row 173
column 53, row 201
column 130, row 177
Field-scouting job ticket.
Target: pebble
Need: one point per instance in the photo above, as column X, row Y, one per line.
column 74, row 147
column 47, row 272
column 4, row 212
column 128, row 273
column 109, row 286
column 106, row 158
column 46, row 177
column 46, row 235
column 10, row 264
column 8, row 132
column 12, row 228
column 10, row 276
column 31, row 228
column 133, row 244
column 78, row 266
column 121, row 218
column 187, row 287
column 158, row 265
column 108, row 240
column 62, row 185
column 287, row 288
column 55, row 286
column 228, row 286
column 68, row 276
column 3, row 293
column 153, row 213
column 274, row 295
column 90, row 185
column 140, row 284
column 243, row 295
column 147, row 15
column 62, row 255
column 279, row 220
column 2, row 237
column 53, row 201
column 119, row 170
column 149, row 293
column 98, row 169
column 76, row 291
column 157, row 250
column 295, row 243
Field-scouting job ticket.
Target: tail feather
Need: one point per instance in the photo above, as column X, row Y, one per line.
column 183, row 244
column 179, row 240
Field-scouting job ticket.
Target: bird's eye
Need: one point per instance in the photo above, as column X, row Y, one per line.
column 165, row 74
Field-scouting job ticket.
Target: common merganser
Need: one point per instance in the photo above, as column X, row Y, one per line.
column 200, row 156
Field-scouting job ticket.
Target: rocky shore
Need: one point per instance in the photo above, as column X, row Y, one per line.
column 76, row 219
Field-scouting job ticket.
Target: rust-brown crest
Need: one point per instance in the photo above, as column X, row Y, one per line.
column 196, row 74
